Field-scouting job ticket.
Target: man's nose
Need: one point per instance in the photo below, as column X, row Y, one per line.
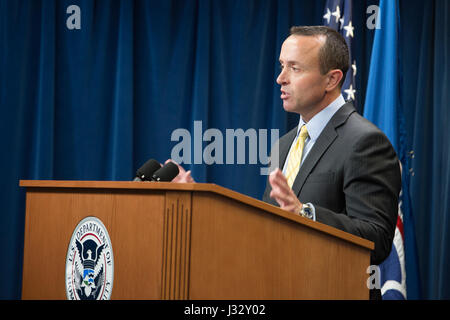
column 282, row 78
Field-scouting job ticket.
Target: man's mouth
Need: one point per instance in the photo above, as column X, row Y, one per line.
column 284, row 95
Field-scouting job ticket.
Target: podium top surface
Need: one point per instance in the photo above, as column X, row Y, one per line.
column 197, row 187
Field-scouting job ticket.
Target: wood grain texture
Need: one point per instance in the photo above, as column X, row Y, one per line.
column 207, row 187
column 133, row 220
column 190, row 241
column 239, row 252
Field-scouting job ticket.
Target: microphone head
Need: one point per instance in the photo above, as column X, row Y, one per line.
column 146, row 172
column 166, row 173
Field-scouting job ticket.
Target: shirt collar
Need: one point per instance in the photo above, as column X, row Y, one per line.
column 320, row 120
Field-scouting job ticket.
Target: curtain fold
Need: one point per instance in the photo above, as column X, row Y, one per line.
column 426, row 90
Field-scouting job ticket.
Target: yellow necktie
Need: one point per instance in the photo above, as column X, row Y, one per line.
column 295, row 157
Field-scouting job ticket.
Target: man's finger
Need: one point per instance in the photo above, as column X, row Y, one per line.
column 281, row 196
column 274, row 195
column 277, row 179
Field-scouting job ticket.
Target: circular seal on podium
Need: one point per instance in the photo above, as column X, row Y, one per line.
column 89, row 262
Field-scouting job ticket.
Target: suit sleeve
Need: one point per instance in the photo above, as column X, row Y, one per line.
column 371, row 186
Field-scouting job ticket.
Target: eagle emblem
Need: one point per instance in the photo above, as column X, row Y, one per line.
column 89, row 262
column 88, row 269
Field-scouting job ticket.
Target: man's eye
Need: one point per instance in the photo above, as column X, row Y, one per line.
column 295, row 69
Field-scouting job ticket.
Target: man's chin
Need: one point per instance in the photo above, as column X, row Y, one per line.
column 288, row 107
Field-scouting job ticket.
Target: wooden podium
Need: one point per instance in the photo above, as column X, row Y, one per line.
column 190, row 241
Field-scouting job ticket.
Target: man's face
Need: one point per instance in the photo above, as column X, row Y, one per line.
column 302, row 84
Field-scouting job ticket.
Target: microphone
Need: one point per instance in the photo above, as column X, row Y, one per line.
column 146, row 172
column 166, row 173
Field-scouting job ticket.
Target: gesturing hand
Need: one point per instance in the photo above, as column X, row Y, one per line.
column 282, row 193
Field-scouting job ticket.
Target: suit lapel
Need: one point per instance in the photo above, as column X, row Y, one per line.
column 324, row 141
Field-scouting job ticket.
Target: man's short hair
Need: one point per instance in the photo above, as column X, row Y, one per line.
column 334, row 52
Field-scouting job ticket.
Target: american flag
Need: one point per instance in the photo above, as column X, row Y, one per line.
column 338, row 15
column 392, row 270
column 383, row 108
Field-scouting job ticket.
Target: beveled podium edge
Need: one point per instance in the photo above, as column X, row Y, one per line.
column 203, row 187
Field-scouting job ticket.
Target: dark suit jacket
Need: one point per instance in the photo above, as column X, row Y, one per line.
column 352, row 177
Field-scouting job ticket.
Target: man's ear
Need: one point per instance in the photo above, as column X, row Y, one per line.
column 334, row 77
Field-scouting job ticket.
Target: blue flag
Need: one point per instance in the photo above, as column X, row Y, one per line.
column 383, row 108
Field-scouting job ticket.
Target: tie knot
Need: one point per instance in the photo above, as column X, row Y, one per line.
column 303, row 132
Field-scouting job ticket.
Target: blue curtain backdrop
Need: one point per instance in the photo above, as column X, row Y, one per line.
column 426, row 88
column 96, row 103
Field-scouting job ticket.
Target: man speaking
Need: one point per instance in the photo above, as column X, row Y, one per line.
column 335, row 167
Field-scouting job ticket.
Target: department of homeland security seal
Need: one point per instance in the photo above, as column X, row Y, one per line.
column 89, row 262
